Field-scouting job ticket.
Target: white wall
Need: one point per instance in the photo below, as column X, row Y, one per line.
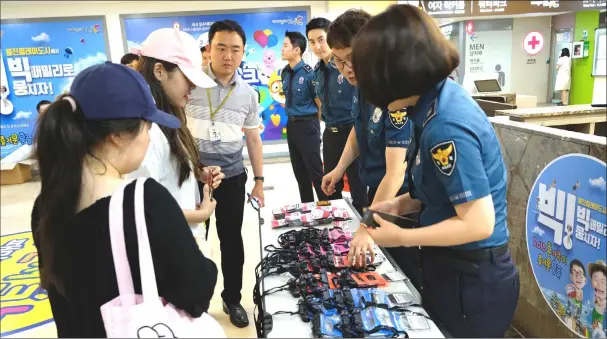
column 112, row 10
column 599, row 94
column 530, row 79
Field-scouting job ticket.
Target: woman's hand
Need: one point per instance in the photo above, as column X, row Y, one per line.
column 208, row 204
column 359, row 246
column 214, row 172
column 330, row 180
column 389, row 206
column 387, row 234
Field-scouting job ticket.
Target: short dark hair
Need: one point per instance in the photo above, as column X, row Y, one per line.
column 576, row 262
column 565, row 52
column 343, row 29
column 401, row 53
column 318, row 23
column 42, row 102
column 128, row 58
column 297, row 40
column 227, row 26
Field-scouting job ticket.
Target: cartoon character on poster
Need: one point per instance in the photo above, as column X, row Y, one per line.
column 566, row 234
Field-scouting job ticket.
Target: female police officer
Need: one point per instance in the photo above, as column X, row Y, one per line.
column 379, row 139
column 456, row 172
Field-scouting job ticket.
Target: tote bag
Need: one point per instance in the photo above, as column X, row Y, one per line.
column 147, row 315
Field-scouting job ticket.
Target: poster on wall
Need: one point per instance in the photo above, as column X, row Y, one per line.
column 261, row 66
column 39, row 61
column 489, row 54
column 566, row 234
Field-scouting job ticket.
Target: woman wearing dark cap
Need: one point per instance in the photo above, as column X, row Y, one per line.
column 456, row 172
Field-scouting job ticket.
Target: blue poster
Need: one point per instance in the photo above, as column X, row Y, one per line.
column 566, row 236
column 39, row 60
column 261, row 65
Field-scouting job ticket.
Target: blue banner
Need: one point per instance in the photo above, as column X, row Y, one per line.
column 39, row 62
column 566, row 236
column 261, row 65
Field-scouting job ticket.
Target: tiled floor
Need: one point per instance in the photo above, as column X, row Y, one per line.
column 17, row 201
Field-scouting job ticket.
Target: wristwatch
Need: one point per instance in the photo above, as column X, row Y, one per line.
column 258, row 178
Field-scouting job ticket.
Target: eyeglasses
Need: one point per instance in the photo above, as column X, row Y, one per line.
column 340, row 64
column 577, row 274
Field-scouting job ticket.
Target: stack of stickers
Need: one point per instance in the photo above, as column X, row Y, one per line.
column 309, row 214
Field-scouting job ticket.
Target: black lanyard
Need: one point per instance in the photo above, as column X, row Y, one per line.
column 290, row 92
column 326, row 87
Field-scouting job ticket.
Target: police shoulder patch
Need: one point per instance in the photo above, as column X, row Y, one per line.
column 444, row 156
column 398, row 118
column 431, row 113
column 307, row 68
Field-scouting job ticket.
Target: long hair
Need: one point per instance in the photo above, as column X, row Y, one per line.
column 182, row 143
column 64, row 138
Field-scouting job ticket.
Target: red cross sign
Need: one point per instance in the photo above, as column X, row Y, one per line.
column 533, row 43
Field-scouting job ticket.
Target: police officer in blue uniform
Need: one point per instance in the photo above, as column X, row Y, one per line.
column 335, row 95
column 379, row 138
column 457, row 175
column 303, row 125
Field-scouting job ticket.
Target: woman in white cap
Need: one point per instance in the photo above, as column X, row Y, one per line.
column 170, row 63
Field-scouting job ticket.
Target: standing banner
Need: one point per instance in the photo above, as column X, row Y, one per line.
column 566, row 236
column 39, row 61
column 261, row 66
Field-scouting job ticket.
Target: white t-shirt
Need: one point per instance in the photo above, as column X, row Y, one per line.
column 565, row 66
column 160, row 165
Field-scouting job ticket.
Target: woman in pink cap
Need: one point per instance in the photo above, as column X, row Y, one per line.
column 170, row 63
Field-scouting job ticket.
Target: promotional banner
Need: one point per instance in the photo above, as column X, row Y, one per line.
column 566, row 236
column 24, row 304
column 39, row 61
column 261, row 66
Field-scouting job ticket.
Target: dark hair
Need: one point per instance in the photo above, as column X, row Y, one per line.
column 318, row 23
column 4, row 89
column 128, row 58
column 343, row 29
column 297, row 40
column 227, row 26
column 42, row 102
column 64, row 139
column 565, row 52
column 401, row 53
column 203, row 49
column 576, row 262
column 182, row 143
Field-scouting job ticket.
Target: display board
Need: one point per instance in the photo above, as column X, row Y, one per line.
column 39, row 60
column 599, row 62
column 261, row 65
column 566, row 234
column 460, row 8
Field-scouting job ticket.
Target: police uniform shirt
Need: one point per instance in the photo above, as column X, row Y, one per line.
column 458, row 159
column 377, row 129
column 335, row 93
column 298, row 87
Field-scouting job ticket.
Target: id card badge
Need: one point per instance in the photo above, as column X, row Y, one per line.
column 214, row 135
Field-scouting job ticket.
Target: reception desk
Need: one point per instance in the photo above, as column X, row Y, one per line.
column 527, row 149
column 577, row 118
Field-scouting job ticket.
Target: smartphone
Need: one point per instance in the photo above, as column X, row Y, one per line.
column 401, row 222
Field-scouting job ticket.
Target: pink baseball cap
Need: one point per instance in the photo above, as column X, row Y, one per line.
column 177, row 47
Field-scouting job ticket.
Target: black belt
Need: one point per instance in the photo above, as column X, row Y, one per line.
column 475, row 256
column 336, row 129
column 303, row 117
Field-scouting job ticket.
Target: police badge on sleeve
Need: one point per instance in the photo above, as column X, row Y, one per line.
column 398, row 119
column 444, row 156
column 376, row 115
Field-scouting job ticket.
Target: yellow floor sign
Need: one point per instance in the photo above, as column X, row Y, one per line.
column 23, row 303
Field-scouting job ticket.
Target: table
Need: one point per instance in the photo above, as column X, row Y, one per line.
column 290, row 326
column 585, row 116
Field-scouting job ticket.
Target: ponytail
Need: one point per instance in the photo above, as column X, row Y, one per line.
column 61, row 146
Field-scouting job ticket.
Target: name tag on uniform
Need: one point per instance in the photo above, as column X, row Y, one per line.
column 214, row 135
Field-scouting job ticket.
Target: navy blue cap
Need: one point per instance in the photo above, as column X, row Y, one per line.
column 111, row 91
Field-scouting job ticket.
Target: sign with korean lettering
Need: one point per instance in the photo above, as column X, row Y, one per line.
column 489, row 55
column 39, row 62
column 261, row 64
column 566, row 235
column 24, row 304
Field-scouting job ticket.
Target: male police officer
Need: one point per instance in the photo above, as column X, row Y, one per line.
column 303, row 126
column 335, row 94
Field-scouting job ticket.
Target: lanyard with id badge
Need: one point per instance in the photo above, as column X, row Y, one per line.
column 214, row 135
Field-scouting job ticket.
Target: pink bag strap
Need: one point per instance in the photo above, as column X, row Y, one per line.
column 121, row 261
column 146, row 263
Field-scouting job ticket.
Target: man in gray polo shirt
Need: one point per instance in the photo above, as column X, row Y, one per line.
column 217, row 116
